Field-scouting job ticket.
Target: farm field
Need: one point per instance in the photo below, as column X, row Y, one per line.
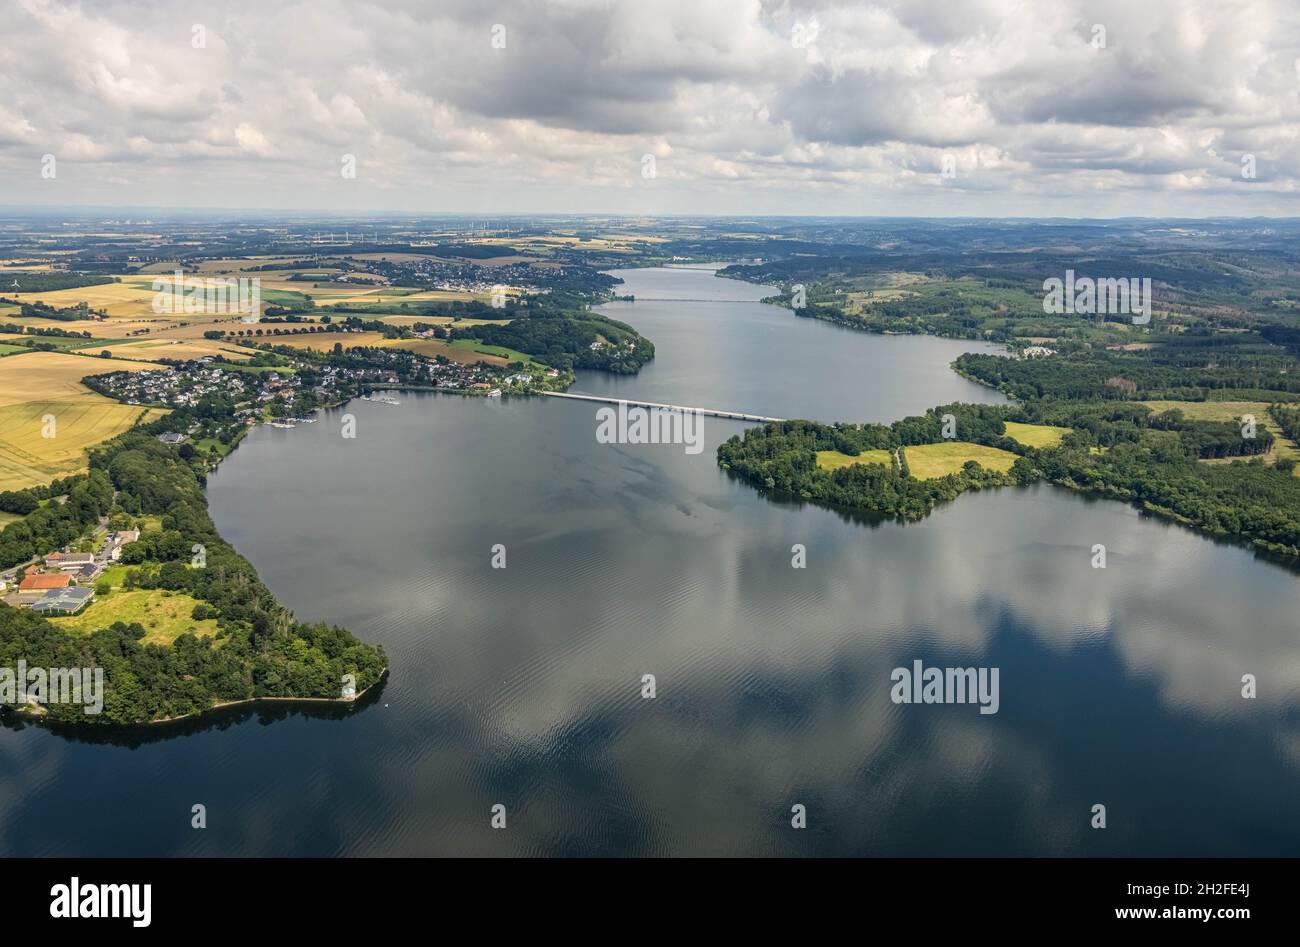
column 510, row 355
column 152, row 350
column 53, row 376
column 1036, row 435
column 28, row 457
column 98, row 328
column 453, row 351
column 928, row 461
column 131, row 298
column 834, row 460
column 36, row 387
column 1233, row 411
column 400, row 320
column 221, row 267
column 1213, row 410
column 164, row 615
column 324, row 341
column 392, row 297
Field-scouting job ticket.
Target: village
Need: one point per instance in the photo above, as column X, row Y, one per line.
column 262, row 392
column 65, row 584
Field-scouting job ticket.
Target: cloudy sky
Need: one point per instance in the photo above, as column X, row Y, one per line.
column 1041, row 107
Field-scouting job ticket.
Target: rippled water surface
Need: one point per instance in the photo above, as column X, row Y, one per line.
column 521, row 686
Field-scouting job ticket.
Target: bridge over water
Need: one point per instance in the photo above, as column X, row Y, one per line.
column 711, row 412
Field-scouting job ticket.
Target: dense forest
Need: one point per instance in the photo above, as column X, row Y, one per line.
column 260, row 649
column 1225, row 328
column 782, row 456
column 28, row 281
column 569, row 339
column 1120, row 449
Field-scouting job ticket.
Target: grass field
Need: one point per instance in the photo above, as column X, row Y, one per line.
column 500, row 351
column 1213, row 410
column 164, row 615
column 1036, row 435
column 834, row 460
column 1233, row 411
column 928, row 461
column 454, row 351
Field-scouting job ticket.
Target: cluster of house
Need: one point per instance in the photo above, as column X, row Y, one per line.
column 65, row 585
column 188, row 385
column 252, row 393
column 464, row 277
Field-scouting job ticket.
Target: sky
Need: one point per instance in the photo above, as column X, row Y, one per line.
column 1081, row 108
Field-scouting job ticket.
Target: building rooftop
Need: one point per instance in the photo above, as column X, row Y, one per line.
column 63, row 600
column 42, row 580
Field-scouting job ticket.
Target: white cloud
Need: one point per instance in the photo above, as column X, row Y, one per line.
column 779, row 107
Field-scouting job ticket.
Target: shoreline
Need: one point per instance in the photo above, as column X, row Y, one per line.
column 39, row 716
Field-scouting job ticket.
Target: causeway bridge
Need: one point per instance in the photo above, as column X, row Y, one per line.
column 711, row 412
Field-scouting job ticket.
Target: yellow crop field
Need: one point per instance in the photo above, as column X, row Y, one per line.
column 98, row 328
column 53, row 376
column 412, row 320
column 834, row 460
column 48, row 418
column 130, row 299
column 1036, row 435
column 152, row 350
column 928, row 461
column 43, row 440
column 357, row 296
column 324, row 341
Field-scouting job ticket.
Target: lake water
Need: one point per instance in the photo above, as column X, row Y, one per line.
column 522, row 686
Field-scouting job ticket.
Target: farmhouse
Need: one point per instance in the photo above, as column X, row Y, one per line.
column 32, row 587
column 113, row 547
column 69, row 561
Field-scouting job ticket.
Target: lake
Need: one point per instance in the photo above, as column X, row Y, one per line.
column 522, row 686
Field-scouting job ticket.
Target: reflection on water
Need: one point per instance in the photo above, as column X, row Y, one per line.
column 521, row 685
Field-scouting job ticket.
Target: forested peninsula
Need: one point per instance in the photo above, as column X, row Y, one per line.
column 259, row 649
